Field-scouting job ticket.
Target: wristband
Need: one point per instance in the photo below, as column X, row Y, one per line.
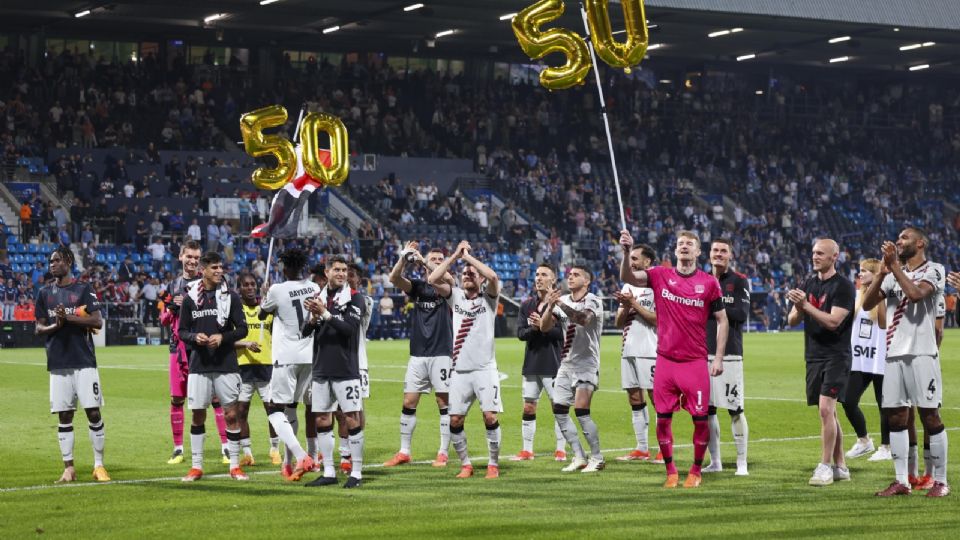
column 326, row 316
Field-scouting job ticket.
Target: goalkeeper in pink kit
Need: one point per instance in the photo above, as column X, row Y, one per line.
column 685, row 297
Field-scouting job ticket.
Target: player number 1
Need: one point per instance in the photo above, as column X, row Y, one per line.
column 699, row 398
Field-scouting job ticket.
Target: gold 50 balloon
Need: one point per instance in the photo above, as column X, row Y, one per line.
column 257, row 144
column 537, row 43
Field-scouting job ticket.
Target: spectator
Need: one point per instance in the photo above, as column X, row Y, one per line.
column 226, row 242
column 157, row 253
column 24, row 311
column 245, row 209
column 213, row 236
column 10, row 294
column 150, row 292
column 26, row 222
column 193, row 231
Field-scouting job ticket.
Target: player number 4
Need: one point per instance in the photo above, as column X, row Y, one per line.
column 932, row 387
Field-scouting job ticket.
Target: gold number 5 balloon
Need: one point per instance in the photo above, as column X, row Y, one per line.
column 537, row 44
column 257, row 144
column 620, row 55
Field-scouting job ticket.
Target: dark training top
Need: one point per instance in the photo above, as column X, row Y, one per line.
column 70, row 347
column 541, row 356
column 202, row 319
column 735, row 291
column 822, row 344
column 431, row 325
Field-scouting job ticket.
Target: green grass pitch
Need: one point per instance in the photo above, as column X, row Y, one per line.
column 530, row 500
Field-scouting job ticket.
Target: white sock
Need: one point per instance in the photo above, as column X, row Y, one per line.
column 408, row 422
column 444, row 432
column 345, row 448
column 741, row 434
column 591, row 433
column 913, row 462
column 641, row 424
column 493, row 445
column 325, row 442
column 459, row 440
column 713, row 445
column 196, row 446
column 291, row 414
column 65, row 438
column 281, row 424
column 97, row 436
column 558, row 434
column 927, row 462
column 899, row 448
column 245, row 445
column 178, row 447
column 274, row 443
column 233, row 447
column 570, row 434
column 938, row 456
column 528, row 430
column 356, row 453
column 312, row 447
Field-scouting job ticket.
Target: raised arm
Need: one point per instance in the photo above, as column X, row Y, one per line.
column 548, row 320
column 829, row 320
column 913, row 291
column 493, row 280
column 627, row 275
column 396, row 274
column 438, row 276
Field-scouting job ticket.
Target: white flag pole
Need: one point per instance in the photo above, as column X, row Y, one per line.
column 606, row 122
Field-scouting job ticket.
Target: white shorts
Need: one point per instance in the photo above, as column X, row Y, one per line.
column 426, row 372
column 261, row 388
column 329, row 394
column 202, row 387
column 533, row 385
column 566, row 384
column 726, row 389
column 912, row 381
column 289, row 383
column 637, row 372
column 365, row 383
column 67, row 386
column 469, row 386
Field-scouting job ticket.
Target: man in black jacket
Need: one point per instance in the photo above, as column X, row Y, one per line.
column 541, row 359
column 211, row 322
column 335, row 321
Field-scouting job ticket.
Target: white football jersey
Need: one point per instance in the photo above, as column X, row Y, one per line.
column 285, row 301
column 364, row 326
column 473, row 321
column 911, row 326
column 581, row 344
column 639, row 338
column 941, row 298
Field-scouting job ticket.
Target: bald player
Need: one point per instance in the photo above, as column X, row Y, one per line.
column 825, row 304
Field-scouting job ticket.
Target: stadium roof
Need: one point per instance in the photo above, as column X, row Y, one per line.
column 768, row 32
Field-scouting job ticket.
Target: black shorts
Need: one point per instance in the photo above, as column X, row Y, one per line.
column 827, row 378
column 251, row 373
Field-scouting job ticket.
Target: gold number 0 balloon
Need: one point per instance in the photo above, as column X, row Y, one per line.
column 615, row 54
column 257, row 144
column 537, row 44
column 339, row 168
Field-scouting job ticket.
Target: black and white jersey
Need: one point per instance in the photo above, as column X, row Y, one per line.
column 431, row 322
column 70, row 347
column 735, row 291
column 337, row 340
column 200, row 317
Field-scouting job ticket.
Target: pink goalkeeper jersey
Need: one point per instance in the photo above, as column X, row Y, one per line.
column 683, row 305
